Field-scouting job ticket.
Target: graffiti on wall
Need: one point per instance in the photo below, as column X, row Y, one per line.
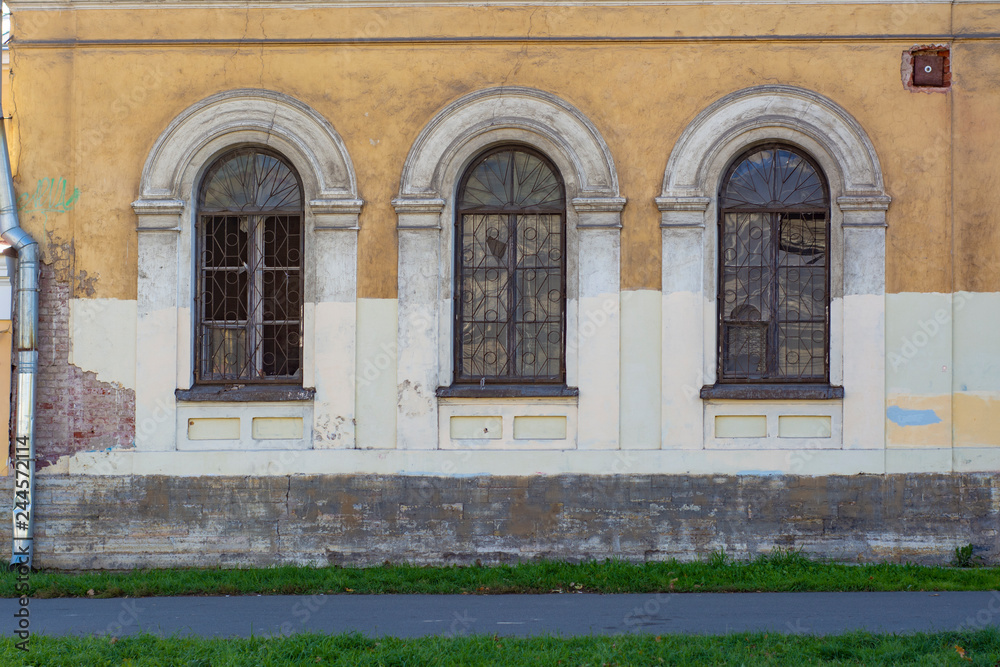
column 51, row 195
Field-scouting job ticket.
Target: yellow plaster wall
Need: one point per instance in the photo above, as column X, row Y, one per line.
column 89, row 112
column 408, row 20
column 977, row 419
column 5, row 325
column 977, row 172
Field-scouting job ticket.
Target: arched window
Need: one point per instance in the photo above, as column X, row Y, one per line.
column 510, row 292
column 249, row 273
column 774, row 268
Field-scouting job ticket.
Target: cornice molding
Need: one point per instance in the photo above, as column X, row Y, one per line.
column 60, row 5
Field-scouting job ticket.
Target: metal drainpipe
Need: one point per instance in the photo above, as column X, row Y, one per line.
column 25, row 340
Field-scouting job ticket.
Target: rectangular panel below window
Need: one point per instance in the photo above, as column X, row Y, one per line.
column 483, row 428
column 277, row 428
column 804, row 426
column 214, row 429
column 741, row 426
column 540, row 428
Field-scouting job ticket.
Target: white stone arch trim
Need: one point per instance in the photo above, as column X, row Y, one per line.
column 270, row 115
column 533, row 112
column 166, row 211
column 425, row 210
column 687, row 202
column 802, row 112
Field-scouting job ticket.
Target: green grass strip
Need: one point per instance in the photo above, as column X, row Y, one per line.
column 950, row 648
column 780, row 571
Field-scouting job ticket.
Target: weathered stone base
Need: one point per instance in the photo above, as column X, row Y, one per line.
column 92, row 522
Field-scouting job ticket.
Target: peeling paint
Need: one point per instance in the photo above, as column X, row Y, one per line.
column 61, row 256
column 412, row 399
column 328, row 429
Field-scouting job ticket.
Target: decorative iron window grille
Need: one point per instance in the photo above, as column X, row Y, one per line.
column 510, row 287
column 774, row 272
column 249, row 292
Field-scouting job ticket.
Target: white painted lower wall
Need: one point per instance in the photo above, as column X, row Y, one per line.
column 941, row 393
column 102, row 338
column 640, row 352
column 333, row 357
column 943, row 370
column 375, row 374
column 682, row 375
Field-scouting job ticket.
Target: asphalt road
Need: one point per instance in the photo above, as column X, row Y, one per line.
column 521, row 615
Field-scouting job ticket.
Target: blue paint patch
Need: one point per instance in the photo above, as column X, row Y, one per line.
column 903, row 417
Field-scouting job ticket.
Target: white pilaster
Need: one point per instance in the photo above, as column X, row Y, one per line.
column 682, row 229
column 376, row 373
column 334, row 254
column 641, row 369
column 864, row 321
column 419, row 228
column 598, row 332
column 156, row 327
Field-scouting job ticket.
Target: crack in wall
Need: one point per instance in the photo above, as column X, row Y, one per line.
column 288, row 515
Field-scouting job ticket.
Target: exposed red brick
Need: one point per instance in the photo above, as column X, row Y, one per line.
column 75, row 412
column 906, row 68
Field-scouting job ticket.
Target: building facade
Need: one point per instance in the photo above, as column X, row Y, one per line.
column 354, row 281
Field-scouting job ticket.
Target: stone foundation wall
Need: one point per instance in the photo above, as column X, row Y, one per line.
column 90, row 522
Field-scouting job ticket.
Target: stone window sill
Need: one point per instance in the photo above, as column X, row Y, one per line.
column 773, row 392
column 245, row 393
column 507, row 391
